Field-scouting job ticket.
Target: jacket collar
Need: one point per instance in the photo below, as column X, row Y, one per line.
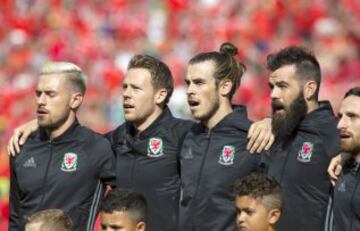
column 164, row 116
column 236, row 119
column 352, row 166
column 66, row 135
column 318, row 115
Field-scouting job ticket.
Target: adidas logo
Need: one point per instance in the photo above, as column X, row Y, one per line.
column 30, row 163
column 188, row 155
column 342, row 187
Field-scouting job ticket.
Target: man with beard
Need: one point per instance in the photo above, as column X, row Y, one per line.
column 347, row 191
column 214, row 151
column 306, row 138
column 62, row 165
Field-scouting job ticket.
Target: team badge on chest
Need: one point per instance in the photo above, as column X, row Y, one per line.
column 155, row 147
column 70, row 162
column 227, row 155
column 305, row 153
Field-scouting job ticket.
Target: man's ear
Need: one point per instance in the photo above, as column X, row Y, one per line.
column 225, row 87
column 160, row 96
column 76, row 100
column 310, row 88
column 274, row 216
column 140, row 226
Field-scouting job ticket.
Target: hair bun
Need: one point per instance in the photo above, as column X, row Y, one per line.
column 228, row 48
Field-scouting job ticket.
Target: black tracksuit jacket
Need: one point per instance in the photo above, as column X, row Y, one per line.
column 66, row 173
column 300, row 167
column 346, row 205
column 211, row 161
column 148, row 162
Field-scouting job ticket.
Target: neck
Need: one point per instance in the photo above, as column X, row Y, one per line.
column 223, row 110
column 357, row 157
column 53, row 133
column 312, row 105
column 141, row 126
column 271, row 228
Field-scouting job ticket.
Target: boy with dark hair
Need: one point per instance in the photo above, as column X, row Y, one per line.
column 123, row 210
column 258, row 202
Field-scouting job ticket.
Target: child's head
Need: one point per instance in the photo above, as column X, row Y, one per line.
column 258, row 202
column 123, row 210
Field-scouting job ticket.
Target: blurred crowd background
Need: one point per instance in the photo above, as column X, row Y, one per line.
column 102, row 35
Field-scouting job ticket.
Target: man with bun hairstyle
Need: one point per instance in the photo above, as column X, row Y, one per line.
column 214, row 153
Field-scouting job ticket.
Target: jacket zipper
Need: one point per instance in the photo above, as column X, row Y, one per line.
column 208, row 137
column 284, row 165
column 132, row 171
column 133, row 162
column 45, row 177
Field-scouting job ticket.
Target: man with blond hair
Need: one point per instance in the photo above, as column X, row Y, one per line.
column 62, row 165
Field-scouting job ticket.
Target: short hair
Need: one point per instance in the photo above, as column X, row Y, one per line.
column 355, row 91
column 307, row 66
column 227, row 67
column 260, row 186
column 161, row 76
column 124, row 200
column 51, row 219
column 72, row 72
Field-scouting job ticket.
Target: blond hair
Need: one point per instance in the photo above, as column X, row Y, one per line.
column 51, row 219
column 71, row 71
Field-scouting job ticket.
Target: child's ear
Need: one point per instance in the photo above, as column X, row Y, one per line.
column 140, row 226
column 274, row 216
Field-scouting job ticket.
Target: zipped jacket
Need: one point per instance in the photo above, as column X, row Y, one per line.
column 211, row 161
column 67, row 172
column 347, row 198
column 300, row 166
column 148, row 163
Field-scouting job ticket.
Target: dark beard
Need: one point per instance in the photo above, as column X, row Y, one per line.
column 353, row 149
column 284, row 126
